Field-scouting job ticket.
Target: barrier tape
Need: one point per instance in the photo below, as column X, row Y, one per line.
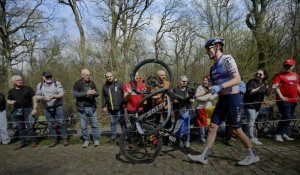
column 269, row 121
column 189, row 109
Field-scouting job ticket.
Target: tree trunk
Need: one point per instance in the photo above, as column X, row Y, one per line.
column 261, row 54
column 82, row 36
column 113, row 46
column 113, row 40
column 258, row 14
column 8, row 67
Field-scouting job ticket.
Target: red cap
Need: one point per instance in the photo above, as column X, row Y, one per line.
column 289, row 61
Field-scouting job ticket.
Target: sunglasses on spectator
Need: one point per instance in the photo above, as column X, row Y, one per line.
column 259, row 74
column 287, row 66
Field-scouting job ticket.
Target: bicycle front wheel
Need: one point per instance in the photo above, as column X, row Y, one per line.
column 140, row 148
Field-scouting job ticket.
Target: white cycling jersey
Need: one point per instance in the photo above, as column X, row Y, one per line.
column 222, row 71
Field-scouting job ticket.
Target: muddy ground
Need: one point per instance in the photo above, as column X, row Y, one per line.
column 276, row 158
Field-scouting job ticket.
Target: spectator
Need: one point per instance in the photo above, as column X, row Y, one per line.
column 226, row 78
column 182, row 110
column 51, row 93
column 204, row 100
column 113, row 102
column 256, row 91
column 132, row 98
column 159, row 98
column 85, row 92
column 22, row 97
column 4, row 137
column 159, row 81
column 286, row 84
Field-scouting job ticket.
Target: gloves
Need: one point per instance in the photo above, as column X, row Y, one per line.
column 216, row 88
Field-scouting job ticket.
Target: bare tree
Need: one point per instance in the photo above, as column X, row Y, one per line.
column 255, row 21
column 18, row 22
column 167, row 22
column 183, row 37
column 132, row 20
column 73, row 4
column 216, row 17
column 126, row 18
column 221, row 18
column 293, row 16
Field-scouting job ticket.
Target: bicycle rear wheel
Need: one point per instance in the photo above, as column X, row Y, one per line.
column 138, row 148
column 155, row 114
column 155, row 62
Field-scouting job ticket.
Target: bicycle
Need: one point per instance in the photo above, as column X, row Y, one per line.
column 142, row 142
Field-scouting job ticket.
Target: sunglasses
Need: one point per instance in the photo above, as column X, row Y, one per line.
column 184, row 81
column 259, row 74
column 287, row 66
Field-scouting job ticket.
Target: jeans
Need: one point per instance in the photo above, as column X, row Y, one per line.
column 4, row 138
column 55, row 116
column 89, row 115
column 115, row 116
column 24, row 120
column 287, row 110
column 251, row 117
column 202, row 132
column 182, row 126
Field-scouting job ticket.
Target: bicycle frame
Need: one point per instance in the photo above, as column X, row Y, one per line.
column 143, row 118
column 144, row 126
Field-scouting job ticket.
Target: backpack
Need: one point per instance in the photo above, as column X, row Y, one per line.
column 41, row 84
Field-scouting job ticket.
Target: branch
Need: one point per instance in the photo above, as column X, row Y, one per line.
column 63, row 2
column 25, row 23
column 248, row 21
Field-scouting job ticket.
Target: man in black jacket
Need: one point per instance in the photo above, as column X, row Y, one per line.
column 113, row 101
column 85, row 92
column 21, row 97
column 4, row 138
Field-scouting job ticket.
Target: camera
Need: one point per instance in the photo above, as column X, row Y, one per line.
column 192, row 87
column 20, row 112
column 192, row 91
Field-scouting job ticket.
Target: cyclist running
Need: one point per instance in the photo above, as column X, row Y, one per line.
column 225, row 78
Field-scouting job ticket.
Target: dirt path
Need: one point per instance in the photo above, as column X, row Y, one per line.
column 276, row 158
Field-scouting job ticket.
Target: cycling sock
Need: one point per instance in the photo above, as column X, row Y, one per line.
column 206, row 151
column 251, row 151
